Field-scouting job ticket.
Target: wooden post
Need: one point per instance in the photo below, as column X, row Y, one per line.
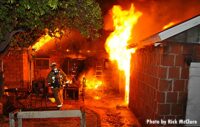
column 11, row 120
column 19, row 120
column 83, row 120
column 2, row 69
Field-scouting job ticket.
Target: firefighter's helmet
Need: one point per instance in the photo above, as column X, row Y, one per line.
column 53, row 64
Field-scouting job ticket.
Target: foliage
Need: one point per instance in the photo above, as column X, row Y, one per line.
column 55, row 15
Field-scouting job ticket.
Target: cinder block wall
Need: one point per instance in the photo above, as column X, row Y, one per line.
column 159, row 79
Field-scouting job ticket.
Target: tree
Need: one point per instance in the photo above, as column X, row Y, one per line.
column 27, row 20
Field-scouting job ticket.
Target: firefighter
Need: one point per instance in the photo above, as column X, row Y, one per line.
column 56, row 79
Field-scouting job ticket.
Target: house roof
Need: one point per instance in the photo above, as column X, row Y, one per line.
column 170, row 32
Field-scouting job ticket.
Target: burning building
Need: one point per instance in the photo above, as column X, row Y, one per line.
column 151, row 75
column 75, row 55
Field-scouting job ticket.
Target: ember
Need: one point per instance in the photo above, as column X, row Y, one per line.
column 116, row 43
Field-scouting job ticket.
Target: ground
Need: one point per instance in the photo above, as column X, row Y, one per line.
column 107, row 111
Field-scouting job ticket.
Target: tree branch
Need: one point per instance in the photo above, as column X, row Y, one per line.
column 4, row 45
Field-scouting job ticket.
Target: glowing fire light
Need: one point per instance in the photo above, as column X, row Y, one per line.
column 93, row 83
column 168, row 25
column 94, row 86
column 45, row 39
column 42, row 41
column 117, row 42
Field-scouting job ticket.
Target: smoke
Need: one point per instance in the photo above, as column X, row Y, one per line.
column 156, row 14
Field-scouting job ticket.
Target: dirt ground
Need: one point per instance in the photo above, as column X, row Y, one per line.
column 107, row 111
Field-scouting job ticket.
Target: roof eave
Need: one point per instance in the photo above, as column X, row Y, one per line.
column 163, row 35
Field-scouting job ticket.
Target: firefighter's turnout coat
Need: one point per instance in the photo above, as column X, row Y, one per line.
column 56, row 78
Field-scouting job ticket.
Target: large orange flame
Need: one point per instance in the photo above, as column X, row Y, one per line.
column 117, row 42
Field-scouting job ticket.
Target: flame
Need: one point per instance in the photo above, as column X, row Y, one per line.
column 45, row 39
column 97, row 97
column 93, row 86
column 117, row 42
column 92, row 82
column 42, row 41
column 168, row 25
